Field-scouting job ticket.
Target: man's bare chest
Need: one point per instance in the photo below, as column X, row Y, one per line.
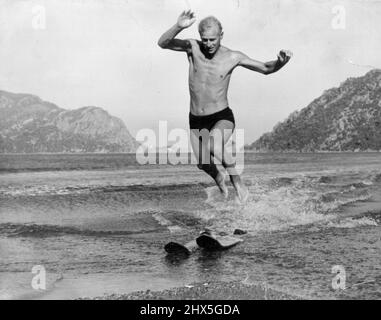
column 211, row 69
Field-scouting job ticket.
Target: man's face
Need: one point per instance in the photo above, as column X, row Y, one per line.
column 211, row 39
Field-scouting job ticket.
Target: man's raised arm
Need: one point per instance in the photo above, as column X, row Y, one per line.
column 168, row 41
column 264, row 67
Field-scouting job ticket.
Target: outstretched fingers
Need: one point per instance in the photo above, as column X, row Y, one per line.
column 186, row 19
column 188, row 13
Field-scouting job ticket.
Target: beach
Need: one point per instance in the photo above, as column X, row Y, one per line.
column 207, row 291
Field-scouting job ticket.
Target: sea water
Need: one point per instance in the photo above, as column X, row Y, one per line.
column 97, row 224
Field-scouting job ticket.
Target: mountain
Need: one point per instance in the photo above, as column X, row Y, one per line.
column 29, row 124
column 347, row 118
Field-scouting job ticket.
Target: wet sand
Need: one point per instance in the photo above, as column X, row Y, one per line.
column 207, row 291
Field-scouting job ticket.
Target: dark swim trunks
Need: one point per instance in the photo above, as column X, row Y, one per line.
column 208, row 121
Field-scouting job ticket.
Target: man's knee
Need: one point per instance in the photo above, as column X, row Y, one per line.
column 216, row 148
column 204, row 167
column 210, row 169
column 228, row 165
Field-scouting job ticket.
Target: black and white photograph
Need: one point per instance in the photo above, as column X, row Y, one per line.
column 165, row 150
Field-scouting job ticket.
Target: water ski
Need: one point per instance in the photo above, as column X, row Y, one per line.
column 181, row 249
column 207, row 240
column 213, row 242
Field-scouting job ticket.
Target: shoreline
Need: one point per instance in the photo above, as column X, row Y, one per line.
column 216, row 290
column 190, row 152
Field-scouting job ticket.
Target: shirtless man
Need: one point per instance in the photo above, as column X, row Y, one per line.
column 210, row 69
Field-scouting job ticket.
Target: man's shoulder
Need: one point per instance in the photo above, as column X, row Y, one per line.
column 233, row 54
column 189, row 42
column 194, row 45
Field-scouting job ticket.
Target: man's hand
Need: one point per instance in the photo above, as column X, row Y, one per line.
column 186, row 19
column 168, row 40
column 284, row 56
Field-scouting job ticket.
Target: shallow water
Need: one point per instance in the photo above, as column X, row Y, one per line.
column 98, row 224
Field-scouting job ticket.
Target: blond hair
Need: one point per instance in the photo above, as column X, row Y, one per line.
column 209, row 22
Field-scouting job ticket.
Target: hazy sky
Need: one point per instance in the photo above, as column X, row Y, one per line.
column 105, row 53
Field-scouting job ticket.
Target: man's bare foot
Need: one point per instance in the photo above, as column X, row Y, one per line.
column 220, row 180
column 242, row 193
column 240, row 188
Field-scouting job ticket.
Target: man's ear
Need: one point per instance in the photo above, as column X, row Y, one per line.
column 222, row 34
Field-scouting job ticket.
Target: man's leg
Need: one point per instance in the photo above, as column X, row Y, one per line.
column 205, row 161
column 220, row 135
